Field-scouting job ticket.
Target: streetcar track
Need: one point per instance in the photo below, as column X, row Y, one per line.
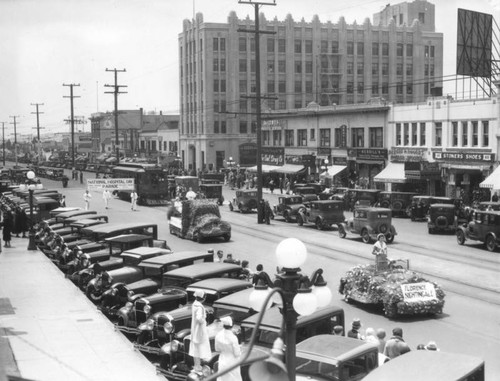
column 276, row 236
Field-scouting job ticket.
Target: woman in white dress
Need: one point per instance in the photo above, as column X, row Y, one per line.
column 227, row 344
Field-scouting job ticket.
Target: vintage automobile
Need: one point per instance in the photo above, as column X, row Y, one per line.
column 369, row 222
column 213, row 191
column 442, row 218
column 119, row 294
column 99, row 232
column 245, row 200
column 63, row 209
column 398, row 202
column 322, row 213
column 363, row 197
column 129, row 273
column 430, row 366
column 152, row 336
column 489, row 205
column 307, row 193
column 419, row 207
column 484, row 227
column 396, row 288
column 288, row 207
column 338, row 358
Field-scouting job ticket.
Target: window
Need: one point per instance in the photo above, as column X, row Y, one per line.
column 475, row 136
column 302, row 138
column 223, row 127
column 243, row 85
column 409, row 88
column 376, row 137
column 309, row 46
column 399, row 88
column 216, row 127
column 421, row 17
column 360, row 49
column 375, row 68
column 409, row 69
column 335, row 47
column 385, row 49
column 243, row 106
column 465, row 134
column 270, row 87
column 422, row 134
column 216, row 64
column 282, row 87
column 358, row 137
column 398, row 134
column 243, row 65
column 298, row 103
column 309, row 67
column 385, row 68
column 454, row 133
column 486, row 141
column 323, row 46
column 432, row 51
column 409, row 50
column 222, row 44
column 216, row 44
column 243, row 127
column 431, row 70
column 350, row 87
column 277, row 138
column 361, row 87
column 281, row 66
column 406, row 134
column 266, row 138
column 252, row 66
column 375, row 48
column 243, row 44
column 270, row 66
column 399, row 69
column 360, row 69
column 350, row 47
column 399, row 50
column 270, row 45
column 222, row 85
column 350, row 68
column 252, row 44
column 385, row 88
column 312, row 134
column 309, row 87
column 298, row 67
column 289, row 138
column 324, row 137
column 298, row 86
column 222, row 65
column 298, row 46
column 216, row 85
column 375, row 88
column 281, row 45
column 438, row 134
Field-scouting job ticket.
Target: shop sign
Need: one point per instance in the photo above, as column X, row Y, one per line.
column 273, row 155
column 405, row 154
column 430, row 168
column 272, row 125
column 343, row 136
column 324, row 151
column 339, row 160
column 367, row 153
column 305, row 160
column 248, row 153
column 463, row 156
column 418, row 292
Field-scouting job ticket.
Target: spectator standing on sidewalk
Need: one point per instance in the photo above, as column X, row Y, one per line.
column 81, row 177
column 87, row 197
column 133, row 200
column 8, row 221
column 396, row 346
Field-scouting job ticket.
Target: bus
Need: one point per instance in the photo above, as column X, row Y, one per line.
column 150, row 182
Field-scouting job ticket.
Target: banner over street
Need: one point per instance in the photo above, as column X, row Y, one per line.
column 110, row 184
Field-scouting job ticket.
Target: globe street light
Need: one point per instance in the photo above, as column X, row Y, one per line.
column 31, row 185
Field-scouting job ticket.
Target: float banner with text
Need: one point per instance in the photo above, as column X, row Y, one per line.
column 110, row 184
column 418, row 292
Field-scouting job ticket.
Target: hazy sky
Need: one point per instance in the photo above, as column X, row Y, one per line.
column 47, row 43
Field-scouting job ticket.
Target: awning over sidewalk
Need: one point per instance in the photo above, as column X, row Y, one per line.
column 265, row 168
column 332, row 171
column 492, row 181
column 289, row 169
column 393, row 173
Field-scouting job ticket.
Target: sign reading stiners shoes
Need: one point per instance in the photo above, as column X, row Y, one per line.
column 111, row 184
column 418, row 292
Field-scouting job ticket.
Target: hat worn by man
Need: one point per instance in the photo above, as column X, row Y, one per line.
column 397, row 332
column 431, row 346
column 199, row 294
column 227, row 321
column 380, row 236
column 356, row 323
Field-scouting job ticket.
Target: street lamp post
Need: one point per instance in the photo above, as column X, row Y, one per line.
column 31, row 185
column 300, row 294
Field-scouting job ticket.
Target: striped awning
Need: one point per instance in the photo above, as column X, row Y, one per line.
column 492, row 181
column 393, row 173
column 332, row 171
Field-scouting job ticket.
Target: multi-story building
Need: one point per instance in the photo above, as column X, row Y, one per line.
column 399, row 57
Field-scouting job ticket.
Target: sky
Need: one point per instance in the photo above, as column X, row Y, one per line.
column 45, row 44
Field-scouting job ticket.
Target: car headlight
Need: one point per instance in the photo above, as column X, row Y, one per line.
column 147, row 309
column 130, row 294
column 174, row 345
column 129, row 305
column 168, row 327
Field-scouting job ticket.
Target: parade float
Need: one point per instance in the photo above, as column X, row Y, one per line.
column 399, row 290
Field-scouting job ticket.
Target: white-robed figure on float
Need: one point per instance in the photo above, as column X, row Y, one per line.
column 226, row 343
column 200, row 342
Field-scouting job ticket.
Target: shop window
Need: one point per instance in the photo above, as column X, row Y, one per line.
column 358, row 140
column 422, row 134
column 454, row 133
column 265, row 138
column 289, row 141
column 486, row 140
column 324, row 137
column 302, row 138
column 438, row 134
column 406, row 132
column 277, row 138
column 414, row 134
column 465, row 134
column 376, row 137
column 475, row 136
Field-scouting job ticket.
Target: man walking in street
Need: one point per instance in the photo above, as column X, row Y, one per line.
column 133, row 200
column 106, row 195
column 87, row 197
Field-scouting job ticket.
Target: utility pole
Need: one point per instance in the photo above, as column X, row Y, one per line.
column 37, row 119
column 15, row 136
column 116, row 91
column 3, row 142
column 71, row 96
column 258, row 98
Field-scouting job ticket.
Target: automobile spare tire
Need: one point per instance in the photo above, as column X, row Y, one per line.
column 441, row 221
column 385, row 204
column 398, row 205
column 383, row 228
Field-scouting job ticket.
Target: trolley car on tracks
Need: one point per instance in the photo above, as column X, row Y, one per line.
column 150, row 182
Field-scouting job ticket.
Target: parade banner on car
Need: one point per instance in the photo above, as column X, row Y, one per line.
column 418, row 292
column 111, row 184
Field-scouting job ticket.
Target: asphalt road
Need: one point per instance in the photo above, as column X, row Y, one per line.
column 470, row 323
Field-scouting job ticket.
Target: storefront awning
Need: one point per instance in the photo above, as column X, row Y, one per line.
column 289, row 169
column 492, row 181
column 333, row 171
column 265, row 168
column 393, row 173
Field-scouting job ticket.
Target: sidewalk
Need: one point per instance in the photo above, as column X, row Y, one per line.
column 49, row 330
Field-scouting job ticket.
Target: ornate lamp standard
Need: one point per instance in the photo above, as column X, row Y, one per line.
column 31, row 185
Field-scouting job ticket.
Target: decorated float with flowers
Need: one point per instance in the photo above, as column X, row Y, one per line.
column 399, row 290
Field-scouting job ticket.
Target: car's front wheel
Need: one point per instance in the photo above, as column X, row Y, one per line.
column 491, row 243
column 286, row 216
column 460, row 237
column 365, row 236
column 319, row 224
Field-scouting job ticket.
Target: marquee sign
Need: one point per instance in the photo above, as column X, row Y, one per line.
column 111, row 184
column 463, row 156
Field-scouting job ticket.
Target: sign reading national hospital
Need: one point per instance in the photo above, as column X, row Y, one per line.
column 110, row 184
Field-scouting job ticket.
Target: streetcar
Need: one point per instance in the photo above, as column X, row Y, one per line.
column 150, row 182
